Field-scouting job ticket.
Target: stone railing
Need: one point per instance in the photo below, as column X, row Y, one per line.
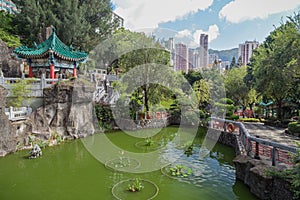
column 36, row 84
column 15, row 114
column 254, row 146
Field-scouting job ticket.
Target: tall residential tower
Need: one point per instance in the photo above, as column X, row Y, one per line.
column 203, row 50
column 246, row 50
column 181, row 58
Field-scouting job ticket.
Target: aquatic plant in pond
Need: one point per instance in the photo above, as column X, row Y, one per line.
column 188, row 149
column 149, row 142
column 123, row 161
column 180, row 171
column 136, row 186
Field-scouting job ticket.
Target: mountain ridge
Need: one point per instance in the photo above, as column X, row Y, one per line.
column 225, row 55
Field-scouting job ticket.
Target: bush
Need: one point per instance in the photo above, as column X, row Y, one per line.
column 225, row 108
column 294, row 127
column 104, row 116
column 202, row 114
column 233, row 117
column 226, row 101
column 249, row 120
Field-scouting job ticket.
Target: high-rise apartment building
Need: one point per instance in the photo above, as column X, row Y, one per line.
column 213, row 58
column 203, row 50
column 246, row 51
column 193, row 58
column 117, row 18
column 181, row 57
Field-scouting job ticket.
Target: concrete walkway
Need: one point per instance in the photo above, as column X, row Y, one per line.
column 272, row 134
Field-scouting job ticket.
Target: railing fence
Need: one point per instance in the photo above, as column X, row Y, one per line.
column 256, row 147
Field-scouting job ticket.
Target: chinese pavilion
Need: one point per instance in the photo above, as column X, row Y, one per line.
column 51, row 56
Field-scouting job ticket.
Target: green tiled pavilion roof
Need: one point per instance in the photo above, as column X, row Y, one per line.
column 52, row 44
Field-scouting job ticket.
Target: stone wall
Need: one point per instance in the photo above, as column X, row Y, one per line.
column 8, row 138
column 225, row 138
column 252, row 171
column 126, row 124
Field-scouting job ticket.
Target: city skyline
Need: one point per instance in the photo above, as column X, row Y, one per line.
column 228, row 22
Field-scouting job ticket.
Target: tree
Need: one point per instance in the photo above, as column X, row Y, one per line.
column 128, row 51
column 193, row 76
column 201, row 89
column 19, row 91
column 233, row 63
column 240, row 63
column 236, row 89
column 7, row 30
column 276, row 63
column 80, row 23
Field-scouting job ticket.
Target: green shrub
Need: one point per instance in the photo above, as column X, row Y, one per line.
column 249, row 120
column 202, row 114
column 225, row 108
column 294, row 127
column 233, row 117
column 226, row 101
column 104, row 116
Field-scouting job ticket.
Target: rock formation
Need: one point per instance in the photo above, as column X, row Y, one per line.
column 8, row 140
column 67, row 111
column 252, row 173
column 9, row 65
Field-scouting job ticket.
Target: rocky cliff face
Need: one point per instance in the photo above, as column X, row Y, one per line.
column 8, row 138
column 68, row 111
column 9, row 65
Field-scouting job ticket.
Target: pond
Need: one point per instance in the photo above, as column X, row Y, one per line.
column 72, row 171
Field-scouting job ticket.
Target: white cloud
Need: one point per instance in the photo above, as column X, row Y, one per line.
column 212, row 32
column 149, row 13
column 192, row 38
column 183, row 33
column 241, row 10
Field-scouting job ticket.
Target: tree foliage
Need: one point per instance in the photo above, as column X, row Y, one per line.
column 19, row 91
column 276, row 63
column 238, row 89
column 233, row 63
column 80, row 23
column 7, row 30
column 201, row 89
column 136, row 54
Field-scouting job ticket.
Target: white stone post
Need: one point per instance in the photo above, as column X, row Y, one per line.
column 11, row 112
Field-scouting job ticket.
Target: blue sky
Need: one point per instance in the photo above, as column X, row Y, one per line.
column 227, row 22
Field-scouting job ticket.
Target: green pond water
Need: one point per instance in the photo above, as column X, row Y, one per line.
column 70, row 171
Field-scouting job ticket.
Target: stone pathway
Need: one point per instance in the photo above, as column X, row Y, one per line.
column 272, row 134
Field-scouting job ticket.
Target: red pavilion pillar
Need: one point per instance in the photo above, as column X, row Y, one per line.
column 52, row 72
column 30, row 72
column 74, row 72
